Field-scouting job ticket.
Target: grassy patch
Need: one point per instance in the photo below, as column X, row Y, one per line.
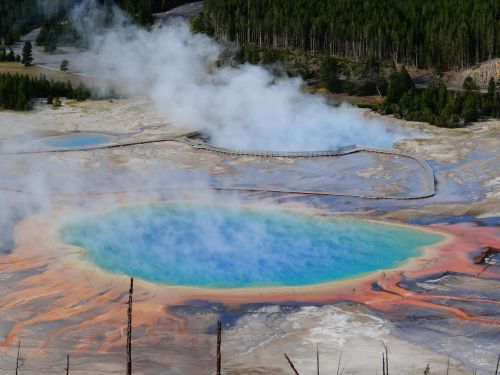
column 360, row 101
column 37, row 71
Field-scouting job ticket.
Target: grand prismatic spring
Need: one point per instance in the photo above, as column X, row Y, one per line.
column 283, row 271
column 235, row 193
column 209, row 246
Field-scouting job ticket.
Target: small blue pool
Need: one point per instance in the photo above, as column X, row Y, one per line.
column 76, row 140
column 227, row 247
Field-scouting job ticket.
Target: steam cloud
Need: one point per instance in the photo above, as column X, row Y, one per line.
column 240, row 107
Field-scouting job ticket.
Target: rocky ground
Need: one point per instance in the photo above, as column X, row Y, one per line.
column 481, row 73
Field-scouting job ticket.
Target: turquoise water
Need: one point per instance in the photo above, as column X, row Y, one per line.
column 77, row 140
column 210, row 246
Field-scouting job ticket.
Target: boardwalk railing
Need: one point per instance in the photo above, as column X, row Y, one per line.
column 198, row 144
column 430, row 189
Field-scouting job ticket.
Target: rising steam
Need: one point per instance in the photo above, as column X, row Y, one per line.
column 240, row 107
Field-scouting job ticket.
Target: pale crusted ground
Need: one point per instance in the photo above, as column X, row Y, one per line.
column 133, row 121
column 347, row 330
column 466, row 167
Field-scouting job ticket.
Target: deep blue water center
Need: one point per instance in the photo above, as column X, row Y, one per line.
column 77, row 140
column 229, row 247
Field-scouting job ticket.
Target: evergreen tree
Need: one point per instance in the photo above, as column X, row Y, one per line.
column 492, row 87
column 81, row 93
column 27, row 58
column 18, row 91
column 10, row 56
column 329, row 74
column 64, row 65
column 489, row 107
column 471, row 106
column 23, row 101
column 470, row 85
column 400, row 82
column 436, row 105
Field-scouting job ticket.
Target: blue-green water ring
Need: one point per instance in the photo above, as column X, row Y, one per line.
column 233, row 247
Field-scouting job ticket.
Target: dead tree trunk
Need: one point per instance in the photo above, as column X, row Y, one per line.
column 498, row 364
column 17, row 358
column 129, row 328
column 340, row 362
column 291, row 365
column 386, row 359
column 67, row 364
column 317, row 359
column 219, row 343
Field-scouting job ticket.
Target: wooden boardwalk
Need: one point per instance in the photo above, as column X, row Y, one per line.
column 200, row 145
column 430, row 185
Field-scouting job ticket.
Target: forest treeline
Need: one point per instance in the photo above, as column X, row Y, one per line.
column 423, row 33
column 17, row 91
column 18, row 17
column 59, row 30
column 436, row 104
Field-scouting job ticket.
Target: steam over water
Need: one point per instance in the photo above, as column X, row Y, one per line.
column 242, row 106
column 229, row 247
